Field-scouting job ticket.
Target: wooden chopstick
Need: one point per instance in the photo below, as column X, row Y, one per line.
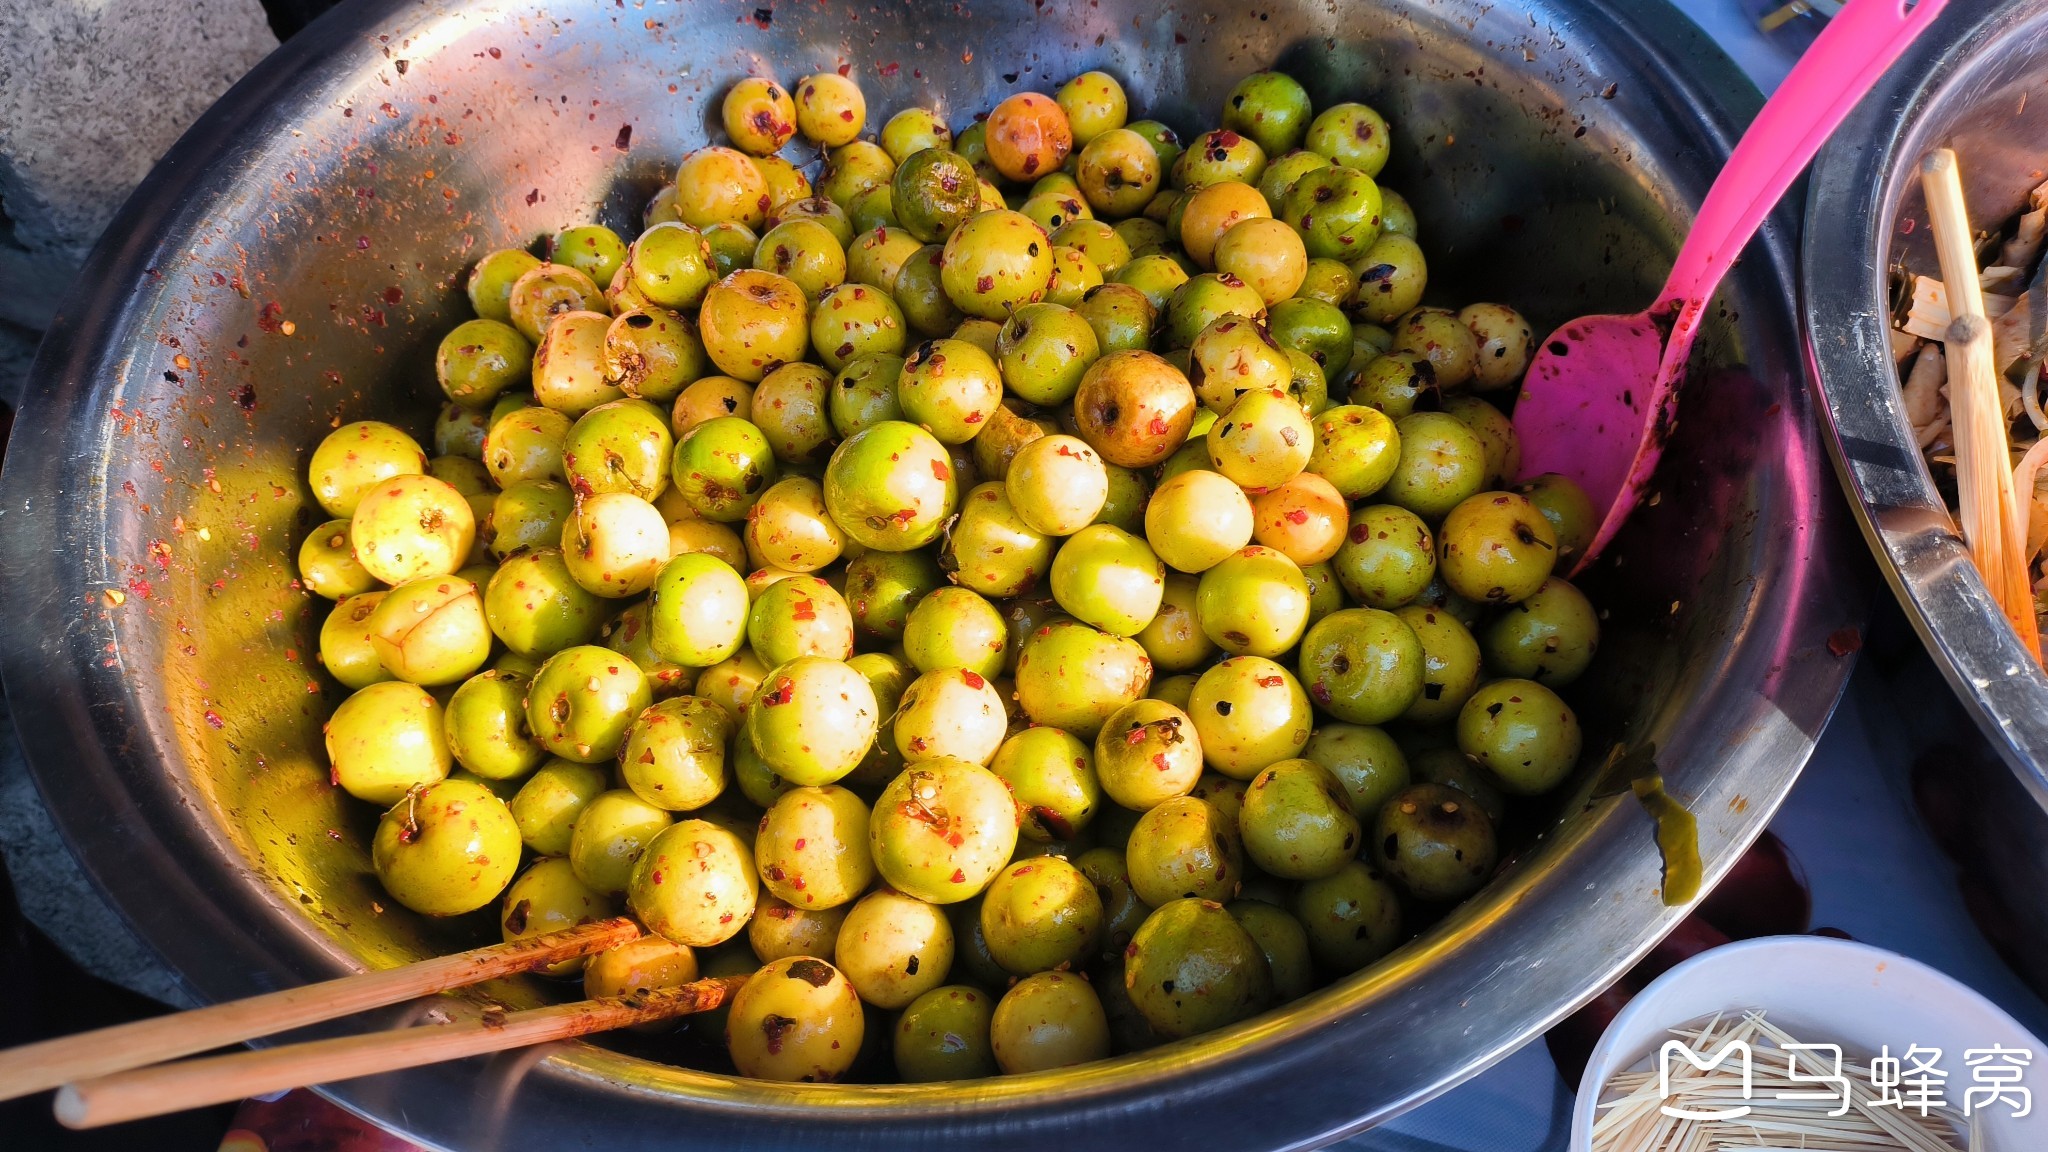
column 1983, row 453
column 218, row 1079
column 49, row 1063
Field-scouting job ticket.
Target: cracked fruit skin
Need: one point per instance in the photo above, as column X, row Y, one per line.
column 891, row 487
column 942, row 829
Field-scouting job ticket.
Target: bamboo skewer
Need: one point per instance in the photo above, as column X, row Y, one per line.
column 169, row 1088
column 49, row 1063
column 1984, row 485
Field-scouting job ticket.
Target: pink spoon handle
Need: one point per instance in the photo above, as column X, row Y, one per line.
column 1845, row 61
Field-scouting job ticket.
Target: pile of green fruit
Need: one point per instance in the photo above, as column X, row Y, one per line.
column 967, row 550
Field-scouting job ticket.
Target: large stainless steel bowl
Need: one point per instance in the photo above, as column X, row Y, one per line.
column 1972, row 83
column 291, row 265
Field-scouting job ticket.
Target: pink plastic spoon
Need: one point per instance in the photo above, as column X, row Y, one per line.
column 1598, row 401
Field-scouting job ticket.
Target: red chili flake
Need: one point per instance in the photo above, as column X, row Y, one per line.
column 985, row 284
column 940, row 471
column 214, row 721
column 974, row 418
column 271, row 318
column 1297, row 516
column 1321, row 692
column 889, row 69
column 959, row 877
column 139, row 587
column 973, row 679
column 1845, row 641
column 783, row 693
column 804, row 610
column 624, row 141
column 799, row 843
column 1360, row 533
column 1158, row 427
column 1271, row 681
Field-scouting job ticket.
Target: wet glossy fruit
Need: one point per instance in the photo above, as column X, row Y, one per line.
column 582, row 702
column 1572, row 516
column 1233, row 356
column 694, row 884
column 1283, row 942
column 1356, row 450
column 1495, row 548
column 1522, row 733
column 1505, row 344
column 1263, row 441
column 1336, row 210
column 813, row 848
column 956, row 628
column 1549, row 637
column 610, row 832
column 614, row 544
column 721, row 186
column 1365, row 760
column 622, row 446
column 883, row 587
column 752, row 322
column 944, row 1035
column 812, row 719
column 674, row 755
column 547, row 898
column 1439, row 336
column 830, row 109
column 1134, row 408
column 995, row 263
column 535, row 606
column 490, row 281
column 1197, row 519
column 408, row 526
column 1248, row 712
column 1352, row 918
column 947, row 714
column 1184, row 847
column 1450, row 664
column 778, row 930
column 446, row 848
column 1271, row 108
column 1297, row 821
column 546, row 291
column 385, row 739
column 1191, row 969
column 758, row 115
column 943, row 829
column 646, row 963
column 1441, row 464
column 1075, row 677
column 797, row 1019
column 1351, row 134
column 1391, row 276
column 1050, row 1020
column 721, row 466
column 345, row 649
column 1434, row 842
column 1053, row 778
column 1253, row 602
column 853, row 322
column 481, row 359
column 806, row 253
column 951, row 388
column 1040, row 914
column 934, row 192
column 1109, row 578
column 1027, row 136
column 891, row 487
column 1304, row 519
column 1362, row 665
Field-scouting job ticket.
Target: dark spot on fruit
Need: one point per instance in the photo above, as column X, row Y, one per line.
column 1223, row 707
column 775, row 1028
column 816, row 973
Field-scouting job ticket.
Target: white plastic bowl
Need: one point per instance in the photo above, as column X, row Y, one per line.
column 1824, row 991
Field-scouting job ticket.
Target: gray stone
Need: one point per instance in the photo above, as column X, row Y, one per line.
column 93, row 91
